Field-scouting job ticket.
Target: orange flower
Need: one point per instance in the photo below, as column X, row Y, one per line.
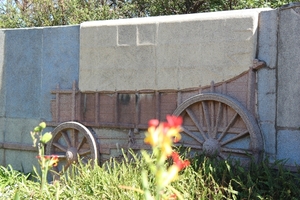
column 54, row 160
column 181, row 164
column 164, row 134
column 51, row 160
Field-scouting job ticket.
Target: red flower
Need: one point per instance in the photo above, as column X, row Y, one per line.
column 174, row 121
column 181, row 164
column 172, row 197
column 153, row 123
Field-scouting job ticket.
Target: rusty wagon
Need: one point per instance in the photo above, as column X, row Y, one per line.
column 218, row 119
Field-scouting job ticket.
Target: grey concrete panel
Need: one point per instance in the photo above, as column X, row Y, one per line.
column 146, row 34
column 98, row 36
column 266, row 95
column 18, row 130
column 266, row 108
column 266, row 79
column 39, row 59
column 21, row 161
column 223, row 42
column 135, row 67
column 127, row 35
column 267, row 40
column 2, row 77
column 2, row 129
column 269, row 136
column 2, row 157
column 23, row 61
column 60, row 57
column 288, row 146
column 288, row 68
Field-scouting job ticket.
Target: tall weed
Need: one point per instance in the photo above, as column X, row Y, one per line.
column 205, row 178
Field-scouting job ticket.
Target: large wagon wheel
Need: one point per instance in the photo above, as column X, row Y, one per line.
column 218, row 125
column 70, row 141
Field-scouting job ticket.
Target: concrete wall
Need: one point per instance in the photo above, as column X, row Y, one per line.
column 171, row 52
column 266, row 80
column 288, row 88
column 278, row 92
column 33, row 61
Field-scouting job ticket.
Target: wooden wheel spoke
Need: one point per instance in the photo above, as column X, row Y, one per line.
column 218, row 120
column 223, row 156
column 212, row 117
column 66, row 138
column 207, row 118
column 70, row 141
column 74, row 137
column 81, row 143
column 67, row 165
column 236, row 151
column 228, row 126
column 59, row 146
column 221, row 125
column 191, row 134
column 84, row 152
column 235, row 138
column 194, row 119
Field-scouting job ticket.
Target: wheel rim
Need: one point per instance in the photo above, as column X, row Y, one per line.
column 220, row 126
column 70, row 141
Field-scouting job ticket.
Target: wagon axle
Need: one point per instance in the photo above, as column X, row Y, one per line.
column 72, row 155
column 211, row 147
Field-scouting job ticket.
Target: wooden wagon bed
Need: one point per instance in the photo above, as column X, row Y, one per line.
column 219, row 118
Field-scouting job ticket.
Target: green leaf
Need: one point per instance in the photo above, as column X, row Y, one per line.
column 46, row 137
column 42, row 125
column 37, row 129
column 17, row 196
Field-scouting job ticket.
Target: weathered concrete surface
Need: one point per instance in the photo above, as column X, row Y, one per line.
column 41, row 57
column 288, row 69
column 2, row 85
column 166, row 52
column 266, row 79
column 266, row 107
column 2, row 93
column 288, row 147
column 18, row 131
column 33, row 61
column 267, row 40
column 23, row 61
column 60, row 62
column 21, row 160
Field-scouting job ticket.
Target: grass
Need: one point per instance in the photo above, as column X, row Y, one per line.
column 206, row 178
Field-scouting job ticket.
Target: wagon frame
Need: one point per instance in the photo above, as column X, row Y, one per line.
column 219, row 119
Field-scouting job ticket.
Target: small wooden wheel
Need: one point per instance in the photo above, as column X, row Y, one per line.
column 218, row 125
column 70, row 141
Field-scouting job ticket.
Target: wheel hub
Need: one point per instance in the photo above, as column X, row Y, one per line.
column 211, row 147
column 71, row 154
